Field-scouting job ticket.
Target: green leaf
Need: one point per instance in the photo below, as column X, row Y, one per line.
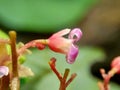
column 3, row 35
column 45, row 79
column 4, row 47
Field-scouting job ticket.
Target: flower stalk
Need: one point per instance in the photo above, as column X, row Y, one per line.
column 40, row 44
column 63, row 79
column 4, row 83
column 105, row 84
column 58, row 43
column 15, row 83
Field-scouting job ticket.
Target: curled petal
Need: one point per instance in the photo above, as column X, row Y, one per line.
column 75, row 34
column 3, row 71
column 60, row 44
column 61, row 33
column 72, row 54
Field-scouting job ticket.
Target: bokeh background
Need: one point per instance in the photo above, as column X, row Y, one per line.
column 99, row 21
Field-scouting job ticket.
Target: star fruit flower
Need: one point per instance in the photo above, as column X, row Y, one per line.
column 67, row 46
column 58, row 43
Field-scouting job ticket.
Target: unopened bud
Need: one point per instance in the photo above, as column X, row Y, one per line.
column 116, row 64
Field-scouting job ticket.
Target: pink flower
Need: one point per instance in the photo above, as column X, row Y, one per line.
column 67, row 46
column 58, row 43
column 3, row 71
column 116, row 64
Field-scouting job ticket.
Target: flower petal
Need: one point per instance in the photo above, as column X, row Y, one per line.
column 116, row 64
column 61, row 33
column 59, row 44
column 3, row 71
column 75, row 34
column 72, row 54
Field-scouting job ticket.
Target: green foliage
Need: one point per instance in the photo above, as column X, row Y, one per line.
column 3, row 35
column 45, row 79
column 42, row 15
column 22, row 59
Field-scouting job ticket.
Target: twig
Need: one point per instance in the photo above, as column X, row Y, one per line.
column 63, row 79
column 15, row 83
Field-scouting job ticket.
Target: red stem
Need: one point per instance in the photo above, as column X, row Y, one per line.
column 4, row 84
column 106, row 82
column 40, row 44
column 52, row 65
column 106, row 77
column 62, row 79
column 71, row 79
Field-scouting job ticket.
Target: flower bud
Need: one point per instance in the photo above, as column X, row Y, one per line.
column 116, row 64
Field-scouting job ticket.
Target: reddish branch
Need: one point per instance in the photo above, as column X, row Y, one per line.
column 15, row 84
column 63, row 79
column 105, row 84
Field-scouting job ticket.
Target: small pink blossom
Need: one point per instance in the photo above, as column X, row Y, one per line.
column 3, row 71
column 58, row 43
column 116, row 64
column 67, row 46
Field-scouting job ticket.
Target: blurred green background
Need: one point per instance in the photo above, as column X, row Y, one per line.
column 98, row 19
column 42, row 15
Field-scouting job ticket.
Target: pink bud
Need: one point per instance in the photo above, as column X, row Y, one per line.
column 40, row 46
column 116, row 64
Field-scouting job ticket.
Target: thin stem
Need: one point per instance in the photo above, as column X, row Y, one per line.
column 4, row 83
column 14, row 53
column 106, row 82
column 63, row 80
column 40, row 44
column 71, row 79
column 66, row 73
column 0, row 83
column 62, row 86
column 52, row 65
column 106, row 77
column 15, row 83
